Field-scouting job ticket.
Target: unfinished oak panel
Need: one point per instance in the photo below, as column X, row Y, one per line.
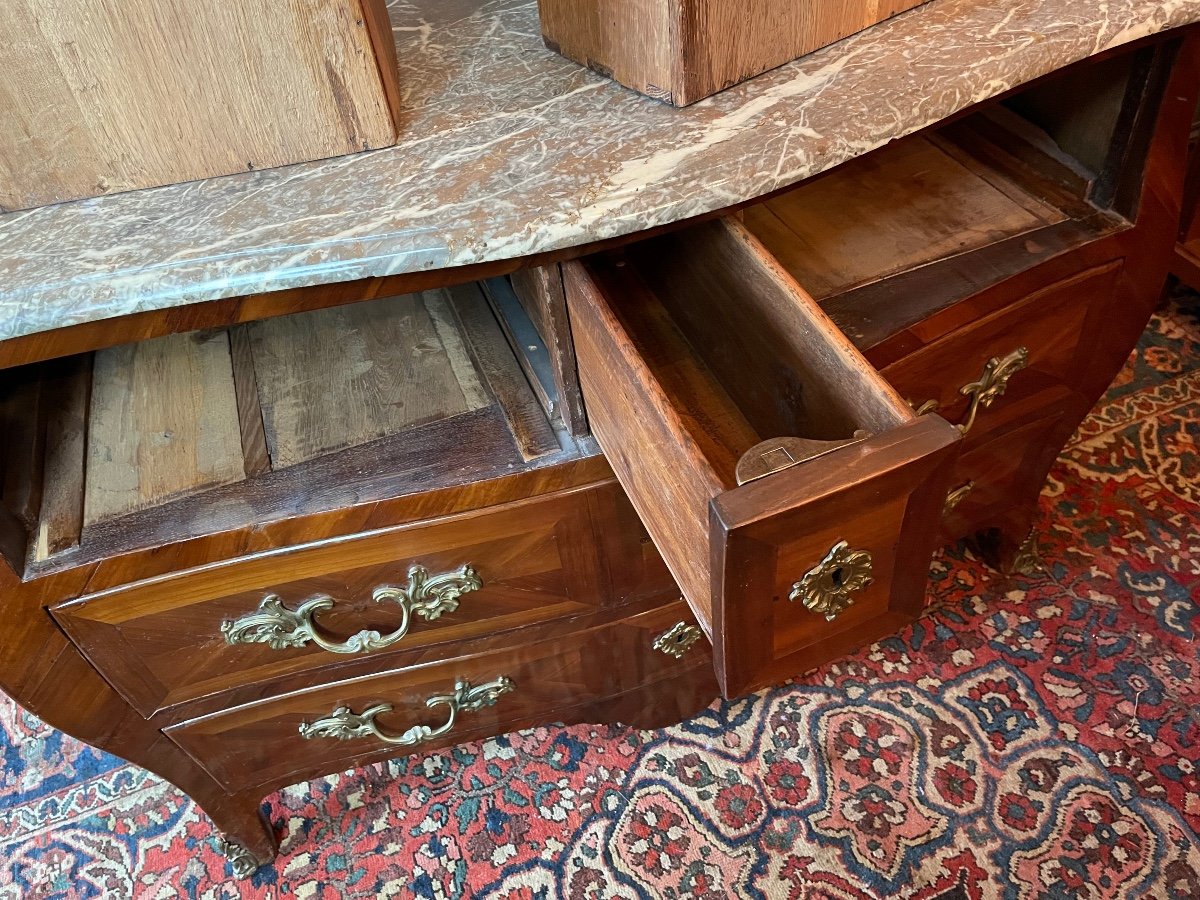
column 207, row 432
column 681, row 51
column 693, row 351
column 163, row 423
column 340, row 377
column 103, row 97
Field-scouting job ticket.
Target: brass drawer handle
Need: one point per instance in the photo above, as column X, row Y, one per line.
column 828, row 588
column 428, row 596
column 344, row 725
column 956, row 497
column 991, row 385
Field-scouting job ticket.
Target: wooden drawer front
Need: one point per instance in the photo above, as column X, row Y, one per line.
column 1005, row 474
column 160, row 641
column 564, row 679
column 1049, row 326
column 693, row 349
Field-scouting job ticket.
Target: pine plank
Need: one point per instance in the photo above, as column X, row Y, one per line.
column 340, row 377
column 163, row 423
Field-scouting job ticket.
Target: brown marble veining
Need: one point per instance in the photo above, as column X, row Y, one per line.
column 507, row 150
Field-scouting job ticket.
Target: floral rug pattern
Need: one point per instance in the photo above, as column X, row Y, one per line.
column 1030, row 737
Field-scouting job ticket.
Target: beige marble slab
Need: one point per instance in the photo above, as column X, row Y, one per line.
column 508, row 150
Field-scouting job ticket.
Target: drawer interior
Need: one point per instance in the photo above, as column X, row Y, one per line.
column 736, row 354
column 890, row 238
column 705, row 368
column 200, row 432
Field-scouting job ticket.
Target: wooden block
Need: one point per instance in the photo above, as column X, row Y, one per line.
column 681, row 51
column 339, row 377
column 101, row 96
column 163, row 423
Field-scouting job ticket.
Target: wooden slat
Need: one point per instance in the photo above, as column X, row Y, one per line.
column 101, row 97
column 163, row 423
column 540, row 290
column 530, row 428
column 245, row 382
column 61, row 519
column 341, row 377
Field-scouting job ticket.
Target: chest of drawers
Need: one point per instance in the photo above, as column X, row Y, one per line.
column 610, row 488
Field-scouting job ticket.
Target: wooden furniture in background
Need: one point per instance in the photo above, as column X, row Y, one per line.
column 351, row 516
column 102, row 96
column 681, row 51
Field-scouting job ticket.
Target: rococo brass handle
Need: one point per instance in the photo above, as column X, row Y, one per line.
column 428, row 596
column 991, row 384
column 956, row 496
column 344, row 725
column 828, row 588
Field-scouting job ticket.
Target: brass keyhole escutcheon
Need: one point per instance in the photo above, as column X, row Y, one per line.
column 829, row 587
column 677, row 640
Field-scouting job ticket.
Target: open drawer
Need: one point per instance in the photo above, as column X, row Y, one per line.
column 794, row 495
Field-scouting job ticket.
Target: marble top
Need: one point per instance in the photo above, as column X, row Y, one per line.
column 507, row 149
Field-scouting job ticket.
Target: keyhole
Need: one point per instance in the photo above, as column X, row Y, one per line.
column 838, row 576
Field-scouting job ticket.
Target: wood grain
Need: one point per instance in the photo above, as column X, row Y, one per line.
column 102, row 97
column 763, row 337
column 159, row 641
column 260, row 744
column 22, row 416
column 681, row 51
column 1051, row 324
column 163, row 423
column 691, row 350
column 250, row 417
column 540, row 292
column 61, row 520
column 883, row 496
column 886, row 213
column 341, row 377
column 51, row 677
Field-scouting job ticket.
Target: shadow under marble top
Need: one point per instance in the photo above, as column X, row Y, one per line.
column 507, row 149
